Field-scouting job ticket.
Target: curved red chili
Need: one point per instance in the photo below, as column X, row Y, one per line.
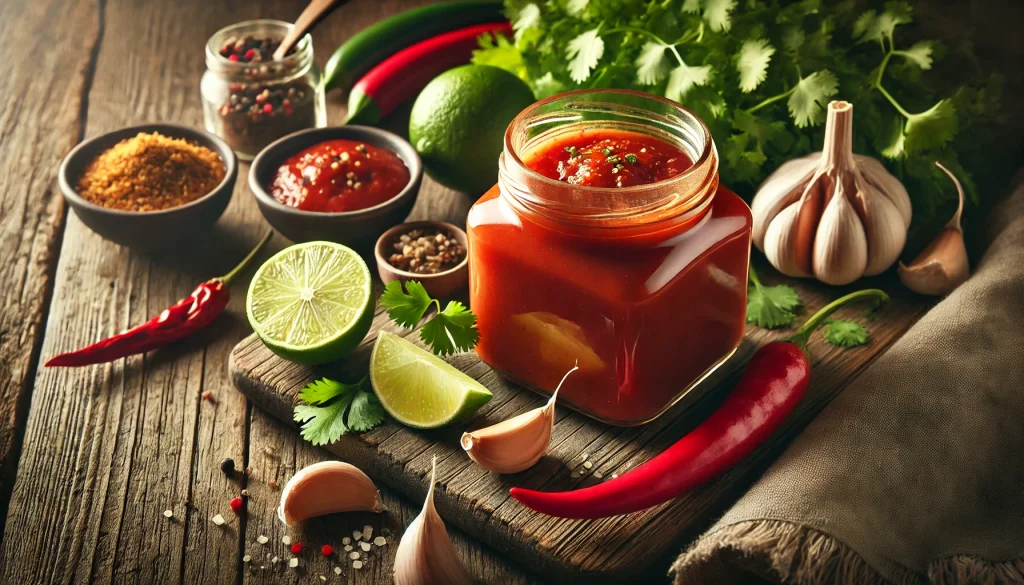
column 178, row 321
column 401, row 76
column 774, row 382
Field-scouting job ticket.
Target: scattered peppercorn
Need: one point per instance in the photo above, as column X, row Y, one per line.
column 236, row 505
column 228, row 466
column 150, row 172
column 327, row 550
column 426, row 251
column 297, row 548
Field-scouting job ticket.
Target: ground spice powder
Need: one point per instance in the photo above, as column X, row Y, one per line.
column 151, row 172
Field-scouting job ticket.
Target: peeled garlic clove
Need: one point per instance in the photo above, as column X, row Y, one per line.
column 517, row 443
column 943, row 263
column 425, row 555
column 325, row 488
column 779, row 191
column 840, row 246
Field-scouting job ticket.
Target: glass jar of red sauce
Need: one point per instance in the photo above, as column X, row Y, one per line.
column 608, row 242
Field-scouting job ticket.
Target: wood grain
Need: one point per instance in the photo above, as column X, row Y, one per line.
column 613, row 550
column 40, row 121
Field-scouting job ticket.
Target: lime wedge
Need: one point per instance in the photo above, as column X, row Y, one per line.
column 311, row 303
column 420, row 389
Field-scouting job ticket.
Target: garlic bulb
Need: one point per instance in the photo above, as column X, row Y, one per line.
column 832, row 215
column 425, row 555
column 325, row 488
column 517, row 443
column 942, row 265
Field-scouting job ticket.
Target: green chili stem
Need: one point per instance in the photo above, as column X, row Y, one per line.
column 801, row 337
column 226, row 279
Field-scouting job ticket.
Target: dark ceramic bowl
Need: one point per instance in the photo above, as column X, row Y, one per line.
column 353, row 228
column 440, row 285
column 148, row 230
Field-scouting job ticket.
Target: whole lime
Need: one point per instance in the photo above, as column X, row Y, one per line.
column 458, row 124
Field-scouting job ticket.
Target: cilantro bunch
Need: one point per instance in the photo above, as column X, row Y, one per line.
column 330, row 409
column 760, row 73
column 450, row 330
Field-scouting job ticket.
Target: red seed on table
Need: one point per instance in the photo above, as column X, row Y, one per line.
column 250, row 54
column 297, row 548
column 207, row 395
column 327, row 550
column 236, row 505
column 267, row 108
column 232, row 57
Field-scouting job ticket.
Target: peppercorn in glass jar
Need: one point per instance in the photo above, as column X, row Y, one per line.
column 608, row 243
column 251, row 100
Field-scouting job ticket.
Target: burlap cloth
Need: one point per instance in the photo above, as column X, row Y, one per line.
column 915, row 473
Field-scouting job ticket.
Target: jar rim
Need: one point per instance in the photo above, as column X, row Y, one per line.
column 303, row 47
column 683, row 197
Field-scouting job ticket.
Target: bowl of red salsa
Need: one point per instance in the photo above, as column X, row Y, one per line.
column 346, row 184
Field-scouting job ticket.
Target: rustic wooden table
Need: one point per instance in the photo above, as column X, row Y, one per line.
column 103, row 451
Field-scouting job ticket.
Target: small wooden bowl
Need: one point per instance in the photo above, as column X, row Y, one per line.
column 440, row 285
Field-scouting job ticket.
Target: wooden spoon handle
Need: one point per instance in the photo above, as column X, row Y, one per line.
column 316, row 10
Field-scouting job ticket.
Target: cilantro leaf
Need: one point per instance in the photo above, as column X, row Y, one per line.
column 451, row 330
column 875, row 27
column 584, row 52
column 405, row 309
column 752, row 63
column 932, row 128
column 920, row 54
column 807, row 104
column 525, row 24
column 683, row 78
column 771, row 307
column 652, row 65
column 843, row 333
column 330, row 409
column 691, row 6
column 497, row 51
column 718, row 14
column 577, row 8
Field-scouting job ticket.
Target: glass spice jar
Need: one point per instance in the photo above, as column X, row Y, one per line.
column 249, row 99
column 643, row 287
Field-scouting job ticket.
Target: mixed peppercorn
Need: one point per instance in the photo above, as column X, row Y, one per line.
column 426, row 251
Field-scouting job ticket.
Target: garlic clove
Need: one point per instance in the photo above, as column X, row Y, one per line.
column 883, row 226
column 780, row 243
column 943, row 264
column 513, row 445
column 778, row 191
column 875, row 173
column 325, row 488
column 840, row 244
column 425, row 554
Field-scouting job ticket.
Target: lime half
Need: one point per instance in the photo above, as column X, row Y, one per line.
column 420, row 389
column 311, row 303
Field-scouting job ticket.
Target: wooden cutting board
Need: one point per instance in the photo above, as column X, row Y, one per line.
column 583, row 451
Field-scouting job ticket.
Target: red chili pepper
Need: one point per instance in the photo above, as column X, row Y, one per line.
column 772, row 385
column 178, row 321
column 401, row 76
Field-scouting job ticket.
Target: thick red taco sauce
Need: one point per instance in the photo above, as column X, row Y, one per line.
column 610, row 249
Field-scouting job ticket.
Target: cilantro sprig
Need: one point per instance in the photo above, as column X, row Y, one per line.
column 844, row 333
column 771, row 307
column 451, row 330
column 330, row 409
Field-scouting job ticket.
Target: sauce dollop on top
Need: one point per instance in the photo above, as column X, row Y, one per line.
column 607, row 158
column 339, row 175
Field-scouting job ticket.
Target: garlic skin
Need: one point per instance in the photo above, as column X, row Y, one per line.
column 832, row 215
column 325, row 488
column 943, row 264
column 425, row 555
column 515, row 444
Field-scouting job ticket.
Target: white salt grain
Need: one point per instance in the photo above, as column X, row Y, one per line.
column 357, row 564
column 380, row 541
column 367, row 532
column 286, row 539
column 598, row 474
column 275, row 560
column 356, row 535
column 246, row 559
column 346, row 540
column 337, row 570
column 588, row 464
column 364, row 545
column 262, row 539
column 348, row 547
column 293, row 563
column 322, row 578
column 168, row 513
column 575, row 474
column 218, row 520
column 353, row 555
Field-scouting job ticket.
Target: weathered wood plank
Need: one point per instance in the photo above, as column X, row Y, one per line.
column 46, row 71
column 609, row 550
